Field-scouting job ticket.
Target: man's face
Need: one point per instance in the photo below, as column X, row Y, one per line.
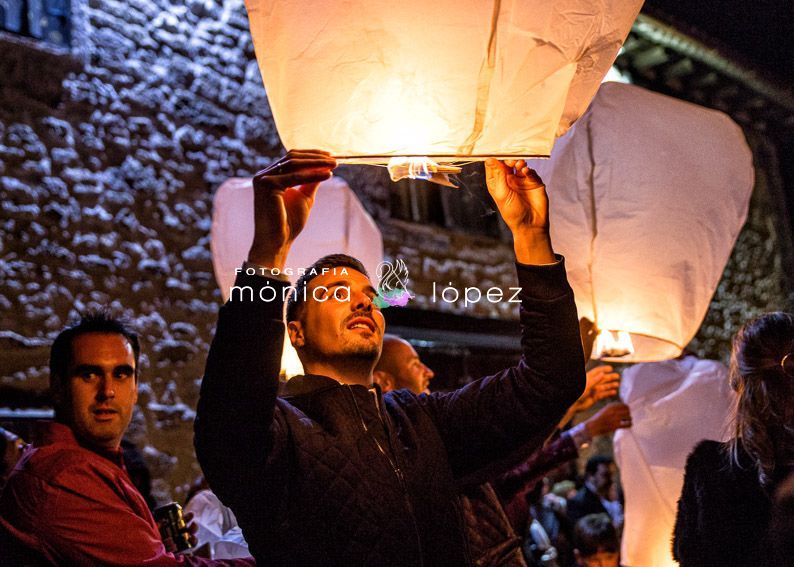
column 602, row 479
column 408, row 371
column 339, row 318
column 101, row 388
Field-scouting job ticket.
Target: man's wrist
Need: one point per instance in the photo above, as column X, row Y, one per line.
column 532, row 246
column 581, row 435
column 269, row 258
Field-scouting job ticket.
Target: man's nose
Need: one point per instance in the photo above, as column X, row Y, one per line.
column 106, row 388
column 361, row 302
column 428, row 372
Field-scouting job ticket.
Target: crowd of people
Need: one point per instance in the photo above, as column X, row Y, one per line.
column 358, row 461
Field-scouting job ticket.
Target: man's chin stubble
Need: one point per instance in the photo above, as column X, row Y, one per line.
column 363, row 352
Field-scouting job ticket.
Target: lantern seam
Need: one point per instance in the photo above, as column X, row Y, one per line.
column 484, row 84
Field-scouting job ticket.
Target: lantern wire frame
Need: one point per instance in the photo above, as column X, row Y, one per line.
column 451, row 159
column 435, row 169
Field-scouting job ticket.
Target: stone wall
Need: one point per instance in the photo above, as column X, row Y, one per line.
column 108, row 158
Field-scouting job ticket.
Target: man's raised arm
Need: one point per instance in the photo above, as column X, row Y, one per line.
column 235, row 434
column 490, row 424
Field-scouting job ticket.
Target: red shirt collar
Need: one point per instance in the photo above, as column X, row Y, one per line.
column 58, row 433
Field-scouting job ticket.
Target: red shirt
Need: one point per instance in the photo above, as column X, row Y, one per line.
column 75, row 506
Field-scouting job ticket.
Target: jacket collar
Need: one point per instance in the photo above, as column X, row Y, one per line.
column 313, row 383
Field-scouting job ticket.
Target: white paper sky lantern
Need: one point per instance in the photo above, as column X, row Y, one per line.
column 453, row 80
column 674, row 404
column 647, row 194
column 338, row 224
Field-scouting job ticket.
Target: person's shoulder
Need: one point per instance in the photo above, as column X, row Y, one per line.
column 407, row 400
column 710, row 465
column 48, row 471
column 402, row 396
column 59, row 464
column 708, row 455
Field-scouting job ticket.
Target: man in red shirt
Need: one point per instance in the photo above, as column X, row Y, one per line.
column 69, row 500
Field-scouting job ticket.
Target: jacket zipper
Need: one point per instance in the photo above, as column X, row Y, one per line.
column 395, row 467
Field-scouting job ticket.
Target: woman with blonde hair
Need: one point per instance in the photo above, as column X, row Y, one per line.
column 725, row 507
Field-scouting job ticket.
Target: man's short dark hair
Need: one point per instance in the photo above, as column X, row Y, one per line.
column 594, row 462
column 92, row 322
column 298, row 296
column 595, row 533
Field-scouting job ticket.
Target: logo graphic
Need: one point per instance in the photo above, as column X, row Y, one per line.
column 393, row 287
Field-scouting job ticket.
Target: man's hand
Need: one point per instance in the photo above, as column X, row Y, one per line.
column 283, row 196
column 610, row 418
column 521, row 198
column 192, row 528
column 601, row 383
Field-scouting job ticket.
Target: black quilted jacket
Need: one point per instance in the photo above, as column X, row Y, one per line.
column 331, row 474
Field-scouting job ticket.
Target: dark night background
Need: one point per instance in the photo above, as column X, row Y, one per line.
column 761, row 32
column 758, row 34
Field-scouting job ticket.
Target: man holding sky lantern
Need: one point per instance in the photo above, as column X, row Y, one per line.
column 333, row 472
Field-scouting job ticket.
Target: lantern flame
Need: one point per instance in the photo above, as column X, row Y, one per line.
column 612, row 344
column 421, row 168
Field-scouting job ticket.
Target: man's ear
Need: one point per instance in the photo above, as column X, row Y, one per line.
column 295, row 332
column 384, row 380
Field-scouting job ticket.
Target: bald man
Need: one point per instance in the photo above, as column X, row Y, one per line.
column 400, row 367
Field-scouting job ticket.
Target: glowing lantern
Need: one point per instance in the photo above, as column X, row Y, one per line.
column 338, row 224
column 674, row 404
column 452, row 80
column 647, row 194
column 613, row 344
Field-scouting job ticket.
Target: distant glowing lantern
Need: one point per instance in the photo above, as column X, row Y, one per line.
column 450, row 80
column 338, row 224
column 647, row 194
column 613, row 344
column 674, row 404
